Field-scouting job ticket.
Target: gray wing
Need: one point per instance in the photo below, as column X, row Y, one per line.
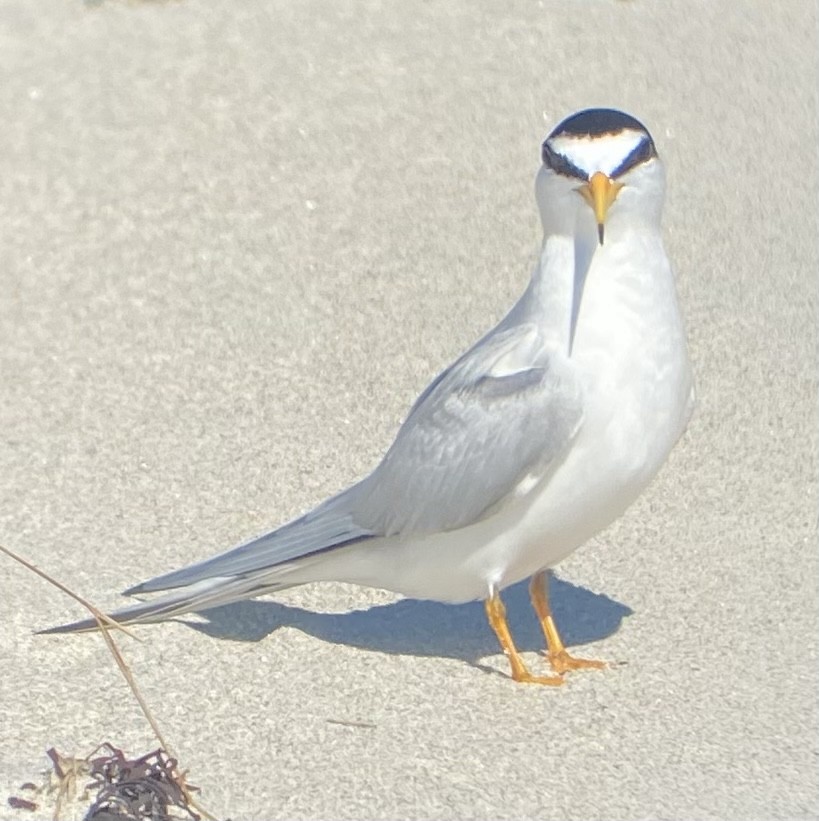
column 243, row 572
column 202, row 595
column 505, row 410
column 329, row 525
column 497, row 413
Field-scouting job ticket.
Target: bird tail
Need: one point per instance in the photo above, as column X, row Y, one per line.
column 199, row 596
column 277, row 560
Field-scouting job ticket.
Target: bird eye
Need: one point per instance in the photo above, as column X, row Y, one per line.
column 560, row 164
column 644, row 151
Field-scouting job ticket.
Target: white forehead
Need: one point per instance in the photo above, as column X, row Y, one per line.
column 600, row 153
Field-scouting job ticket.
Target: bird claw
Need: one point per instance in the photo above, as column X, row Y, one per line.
column 525, row 677
column 561, row 662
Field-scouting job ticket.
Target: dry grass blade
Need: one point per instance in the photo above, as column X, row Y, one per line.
column 95, row 612
column 68, row 771
column 106, row 623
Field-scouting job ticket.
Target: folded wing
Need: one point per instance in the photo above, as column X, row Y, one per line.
column 505, row 411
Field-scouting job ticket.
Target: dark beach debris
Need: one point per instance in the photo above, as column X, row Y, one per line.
column 21, row 803
column 149, row 787
column 60, row 786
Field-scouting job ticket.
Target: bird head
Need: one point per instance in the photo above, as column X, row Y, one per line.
column 598, row 163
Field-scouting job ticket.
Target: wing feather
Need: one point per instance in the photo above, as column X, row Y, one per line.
column 505, row 410
column 328, row 526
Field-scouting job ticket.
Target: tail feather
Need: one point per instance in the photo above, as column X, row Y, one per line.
column 271, row 562
column 328, row 527
column 201, row 596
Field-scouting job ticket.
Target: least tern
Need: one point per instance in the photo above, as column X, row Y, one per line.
column 529, row 444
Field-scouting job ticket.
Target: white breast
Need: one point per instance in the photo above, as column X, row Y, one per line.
column 631, row 355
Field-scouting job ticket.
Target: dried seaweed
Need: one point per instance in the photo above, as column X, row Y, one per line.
column 17, row 803
column 149, row 787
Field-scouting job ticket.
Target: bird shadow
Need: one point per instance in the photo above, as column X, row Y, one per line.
column 426, row 628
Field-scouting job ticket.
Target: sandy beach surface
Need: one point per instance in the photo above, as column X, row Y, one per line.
column 238, row 239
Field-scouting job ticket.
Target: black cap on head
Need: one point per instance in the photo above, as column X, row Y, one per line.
column 595, row 122
column 592, row 124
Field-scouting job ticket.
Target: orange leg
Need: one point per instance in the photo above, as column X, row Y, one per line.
column 557, row 654
column 496, row 613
